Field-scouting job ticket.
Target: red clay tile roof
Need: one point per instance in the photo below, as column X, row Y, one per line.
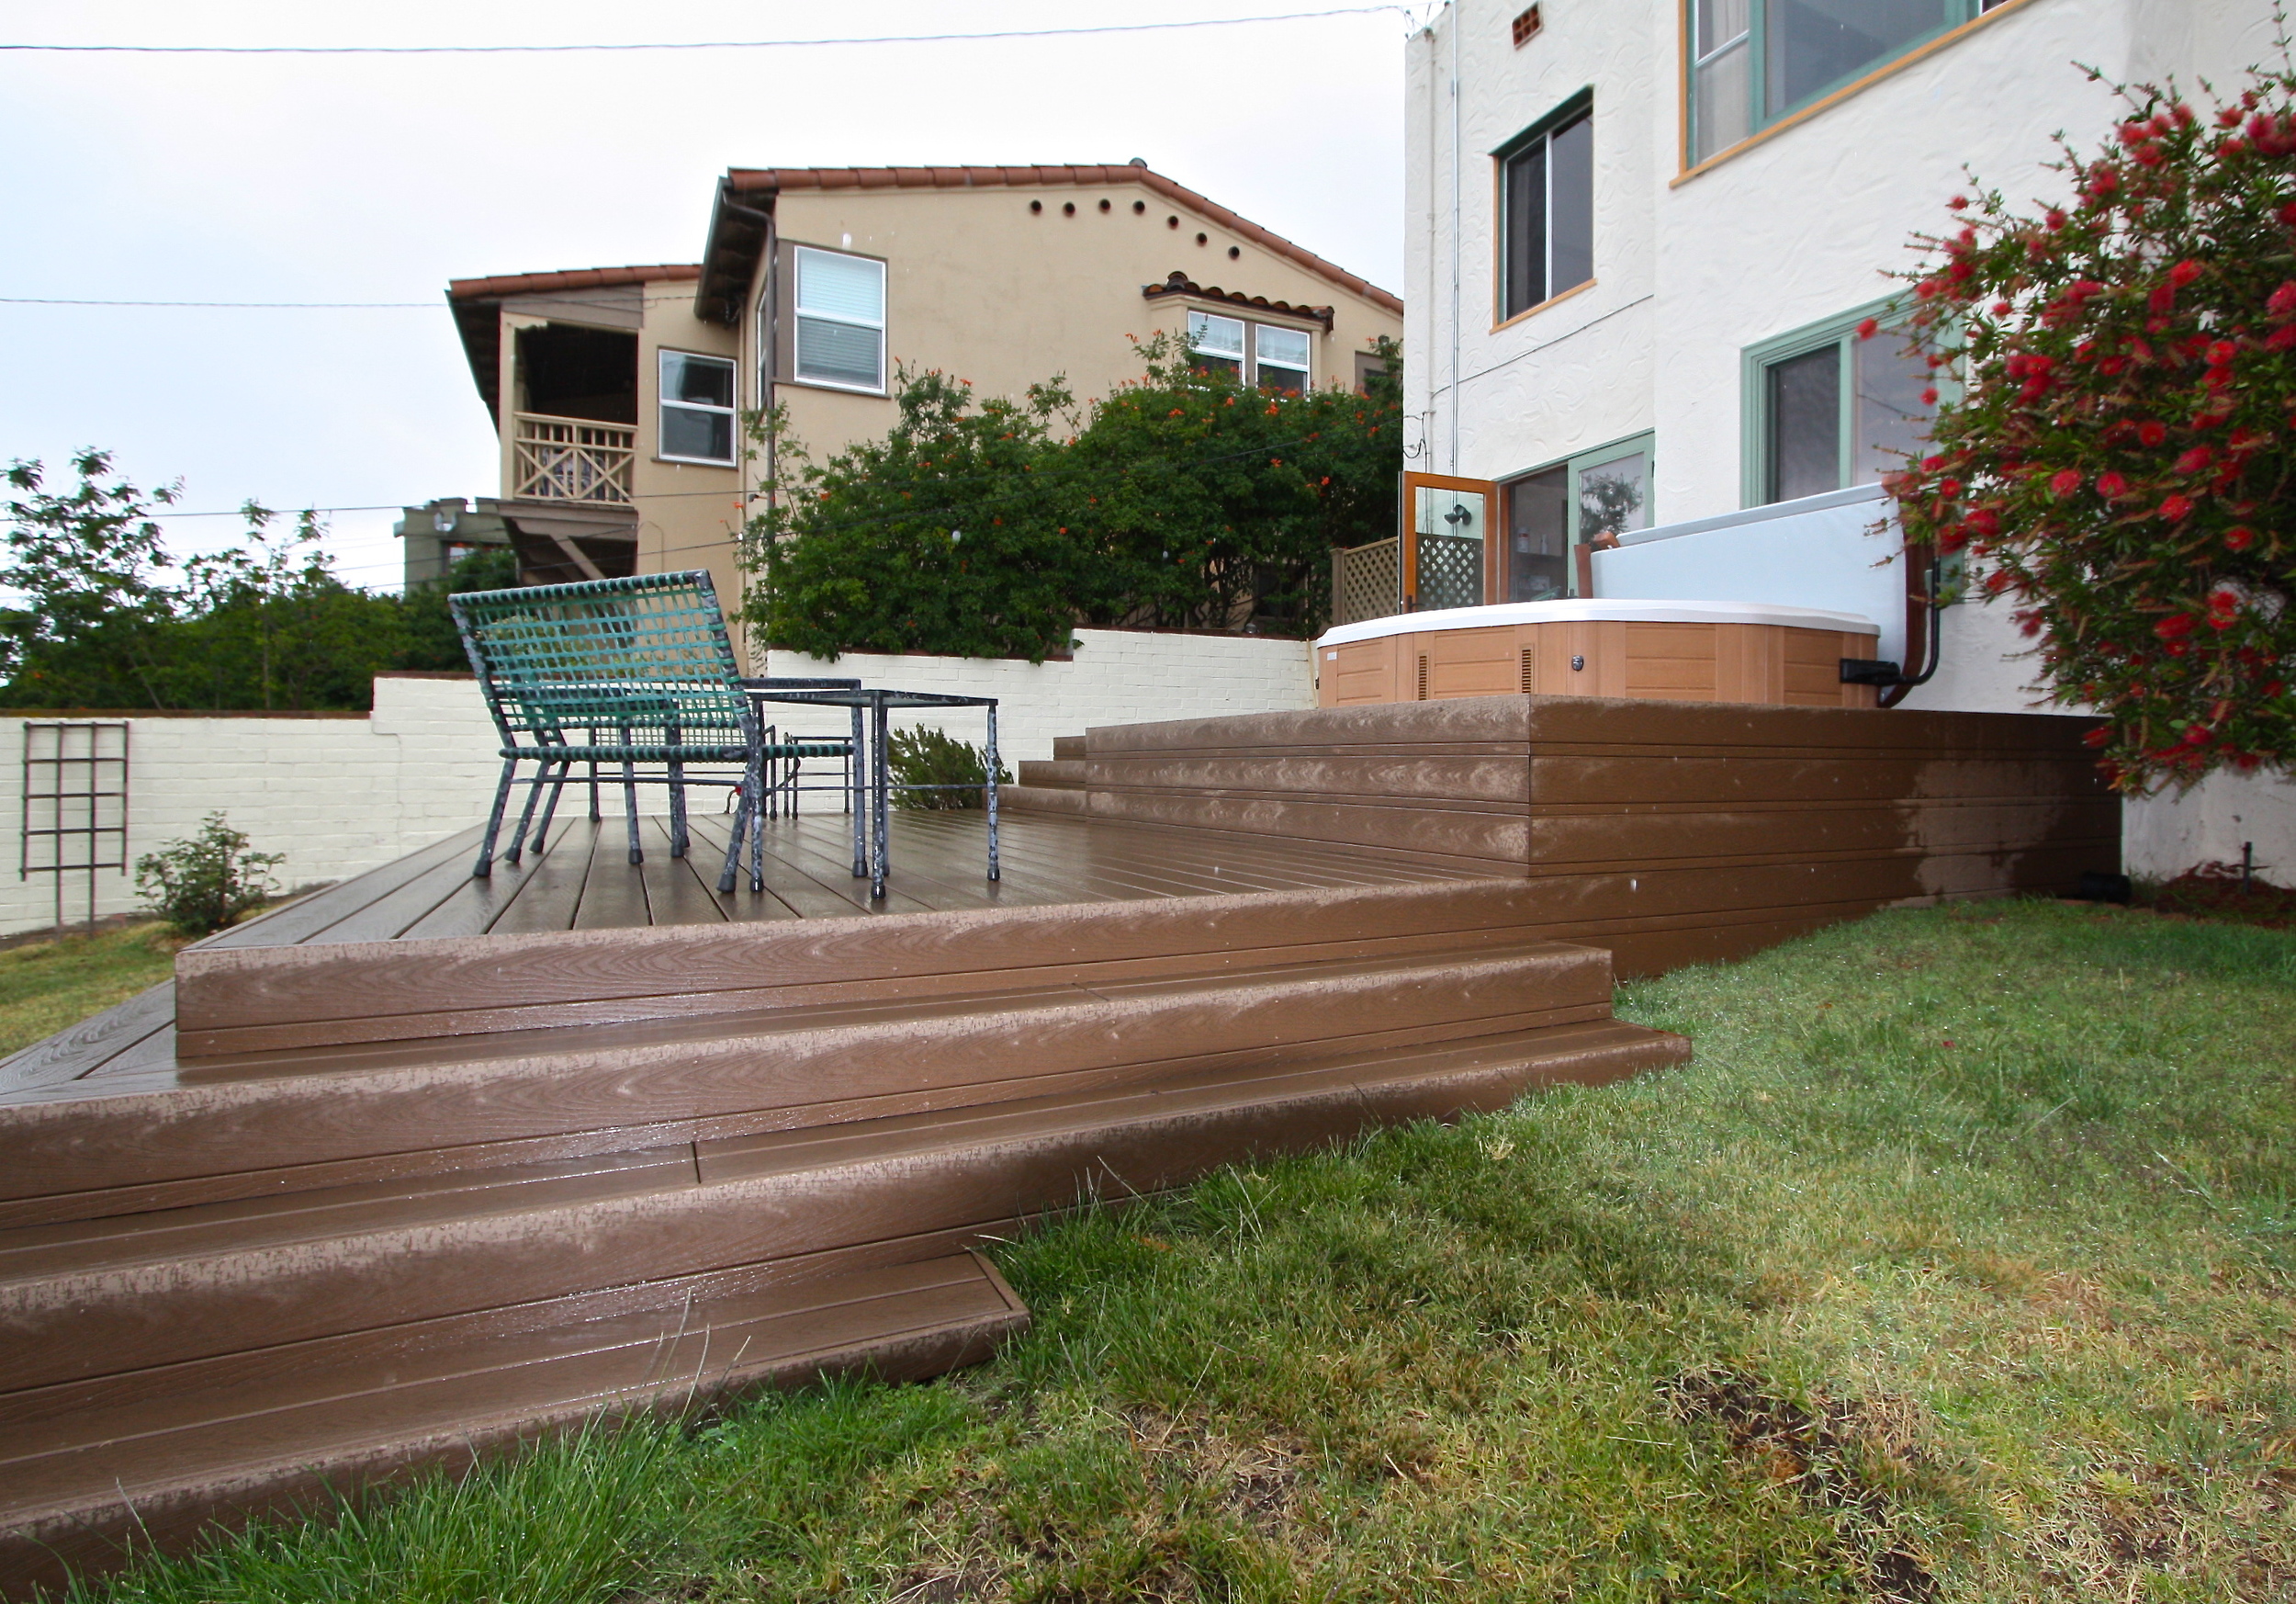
column 727, row 276
column 1181, row 284
column 571, row 279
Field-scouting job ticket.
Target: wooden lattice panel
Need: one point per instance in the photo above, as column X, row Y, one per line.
column 1364, row 582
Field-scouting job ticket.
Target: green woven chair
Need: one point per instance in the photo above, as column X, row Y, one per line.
column 622, row 671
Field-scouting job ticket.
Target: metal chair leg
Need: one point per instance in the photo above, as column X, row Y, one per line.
column 549, row 809
column 629, row 800
column 526, row 814
column 733, row 848
column 676, row 799
column 757, row 824
column 494, row 821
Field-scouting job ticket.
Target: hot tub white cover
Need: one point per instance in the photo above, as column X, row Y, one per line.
column 1596, row 610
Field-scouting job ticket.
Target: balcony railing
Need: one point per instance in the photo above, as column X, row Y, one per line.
column 573, row 459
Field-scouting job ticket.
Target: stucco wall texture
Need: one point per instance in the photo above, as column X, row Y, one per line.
column 1804, row 225
column 340, row 795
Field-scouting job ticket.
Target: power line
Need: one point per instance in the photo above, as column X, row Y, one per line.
column 732, row 44
column 304, row 305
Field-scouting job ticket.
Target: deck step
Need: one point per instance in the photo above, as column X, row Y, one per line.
column 245, row 1124
column 1060, row 774
column 1069, row 749
column 1030, row 798
column 156, row 1458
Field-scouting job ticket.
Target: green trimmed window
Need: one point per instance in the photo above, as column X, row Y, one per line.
column 1582, row 500
column 1547, row 207
column 1754, row 63
column 1826, row 408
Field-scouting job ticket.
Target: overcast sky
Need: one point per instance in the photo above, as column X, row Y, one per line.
column 295, row 178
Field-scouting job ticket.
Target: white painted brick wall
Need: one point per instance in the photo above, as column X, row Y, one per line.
column 341, row 795
column 337, row 796
column 1115, row 676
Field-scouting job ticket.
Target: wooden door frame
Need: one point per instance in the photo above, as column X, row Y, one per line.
column 1413, row 483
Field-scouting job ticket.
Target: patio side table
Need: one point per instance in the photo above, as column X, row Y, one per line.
column 872, row 795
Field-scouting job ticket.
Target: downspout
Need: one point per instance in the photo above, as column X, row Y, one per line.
column 1921, row 645
column 1455, row 240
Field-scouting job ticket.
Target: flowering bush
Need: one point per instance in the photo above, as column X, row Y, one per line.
column 2121, row 455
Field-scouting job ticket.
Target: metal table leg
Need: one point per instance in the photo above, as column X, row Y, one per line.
column 881, row 802
column 993, row 873
column 857, row 797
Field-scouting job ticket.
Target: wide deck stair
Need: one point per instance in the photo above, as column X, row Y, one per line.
column 1053, row 786
column 345, row 1210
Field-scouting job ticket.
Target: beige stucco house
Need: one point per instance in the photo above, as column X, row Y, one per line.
column 618, row 393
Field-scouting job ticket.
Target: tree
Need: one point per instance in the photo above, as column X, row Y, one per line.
column 942, row 536
column 270, row 626
column 981, row 529
column 2119, row 458
column 89, row 564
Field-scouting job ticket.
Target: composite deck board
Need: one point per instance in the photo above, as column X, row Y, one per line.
column 309, row 916
column 615, row 892
column 551, row 894
column 90, row 1045
column 472, row 907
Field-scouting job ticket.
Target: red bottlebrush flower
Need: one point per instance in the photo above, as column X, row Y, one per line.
column 2112, row 365
column 1949, row 488
column 2181, row 113
column 2152, row 433
column 1984, row 522
column 1996, row 582
column 2096, row 737
column 2176, row 509
column 1932, row 463
column 2287, row 214
column 1928, row 397
column 2002, row 308
column 2056, row 219
column 1959, row 202
column 2184, row 273
column 2196, row 735
column 2259, row 126
column 1869, row 328
column 2111, row 486
column 2281, row 338
column 2239, row 537
column 2161, row 300
column 2066, row 481
column 2133, row 133
column 2175, row 626
column 2147, row 155
column 2223, row 352
column 2281, row 302
column 2103, row 181
column 2228, row 117
column 2192, row 461
column 2231, row 149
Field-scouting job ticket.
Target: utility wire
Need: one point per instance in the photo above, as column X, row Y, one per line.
column 305, row 305
column 728, row 44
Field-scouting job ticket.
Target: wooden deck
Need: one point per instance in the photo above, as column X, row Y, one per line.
column 418, row 1166
column 583, row 879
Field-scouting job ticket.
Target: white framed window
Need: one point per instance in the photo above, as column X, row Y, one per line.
column 840, row 319
column 1216, row 342
column 1280, row 357
column 1547, row 209
column 697, row 408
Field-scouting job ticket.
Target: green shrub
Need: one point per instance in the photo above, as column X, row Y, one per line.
column 930, row 757
column 205, row 882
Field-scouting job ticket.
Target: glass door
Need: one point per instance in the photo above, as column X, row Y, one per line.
column 1447, row 542
column 1557, row 517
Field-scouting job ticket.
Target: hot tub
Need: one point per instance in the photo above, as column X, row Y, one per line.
column 1687, row 651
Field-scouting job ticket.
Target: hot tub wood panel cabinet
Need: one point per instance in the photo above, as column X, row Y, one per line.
column 1671, row 651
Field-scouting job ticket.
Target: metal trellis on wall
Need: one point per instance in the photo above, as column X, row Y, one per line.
column 76, row 803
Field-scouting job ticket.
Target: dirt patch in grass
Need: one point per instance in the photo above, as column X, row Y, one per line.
column 2219, row 891
column 1834, row 1454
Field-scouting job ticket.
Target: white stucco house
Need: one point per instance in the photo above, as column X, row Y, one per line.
column 1640, row 238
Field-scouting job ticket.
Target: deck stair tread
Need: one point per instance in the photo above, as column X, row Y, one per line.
column 1058, row 774
column 303, row 1421
column 296, row 1272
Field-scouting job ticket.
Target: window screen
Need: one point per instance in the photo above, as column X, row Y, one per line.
column 1279, row 358
column 1546, row 198
column 1754, row 62
column 1805, row 406
column 697, row 407
column 1216, row 342
column 840, row 319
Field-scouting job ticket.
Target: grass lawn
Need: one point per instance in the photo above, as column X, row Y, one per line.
column 46, row 987
column 1959, row 1265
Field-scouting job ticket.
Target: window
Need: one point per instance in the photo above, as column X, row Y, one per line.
column 1826, row 410
column 1216, row 343
column 1756, row 61
column 697, row 408
column 1546, row 209
column 1586, row 501
column 840, row 319
column 1279, row 357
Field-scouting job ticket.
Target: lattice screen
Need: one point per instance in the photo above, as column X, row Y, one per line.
column 1366, row 581
column 1451, row 571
